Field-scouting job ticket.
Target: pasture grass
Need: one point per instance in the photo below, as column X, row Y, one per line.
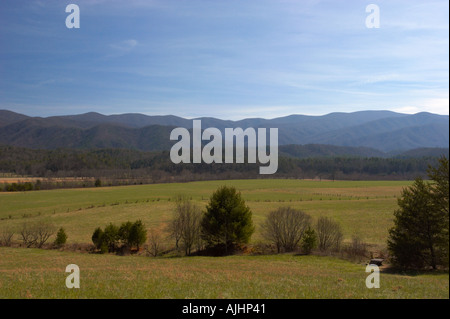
column 35, row 273
column 363, row 208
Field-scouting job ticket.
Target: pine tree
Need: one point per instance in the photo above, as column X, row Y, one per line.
column 138, row 234
column 111, row 237
column 61, row 237
column 124, row 233
column 227, row 221
column 440, row 196
column 419, row 237
column 309, row 241
column 97, row 238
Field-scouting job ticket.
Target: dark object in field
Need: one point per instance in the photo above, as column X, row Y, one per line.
column 376, row 261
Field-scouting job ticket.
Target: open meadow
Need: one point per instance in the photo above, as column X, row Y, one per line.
column 362, row 208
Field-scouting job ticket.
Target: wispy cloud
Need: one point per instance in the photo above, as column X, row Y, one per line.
column 225, row 58
column 124, row 46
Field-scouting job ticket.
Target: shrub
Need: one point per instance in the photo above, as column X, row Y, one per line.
column 36, row 234
column 6, row 236
column 98, row 238
column 61, row 237
column 128, row 234
column 329, row 234
column 111, row 237
column 309, row 241
column 285, row 227
column 28, row 235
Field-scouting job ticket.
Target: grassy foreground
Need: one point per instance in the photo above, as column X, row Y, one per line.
column 34, row 273
column 363, row 208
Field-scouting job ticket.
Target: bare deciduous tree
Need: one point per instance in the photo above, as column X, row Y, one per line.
column 6, row 235
column 44, row 232
column 185, row 227
column 329, row 233
column 154, row 242
column 36, row 234
column 285, row 227
column 29, row 236
column 175, row 229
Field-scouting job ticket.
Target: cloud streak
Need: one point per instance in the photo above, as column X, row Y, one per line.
column 124, row 46
column 230, row 58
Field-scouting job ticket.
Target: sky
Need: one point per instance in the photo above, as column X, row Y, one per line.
column 229, row 59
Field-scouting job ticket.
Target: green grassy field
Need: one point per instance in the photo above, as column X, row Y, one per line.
column 362, row 208
column 34, row 273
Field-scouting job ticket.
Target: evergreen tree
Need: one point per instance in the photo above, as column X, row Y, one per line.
column 61, row 237
column 227, row 221
column 97, row 237
column 138, row 234
column 124, row 233
column 309, row 241
column 440, row 196
column 111, row 237
column 419, row 237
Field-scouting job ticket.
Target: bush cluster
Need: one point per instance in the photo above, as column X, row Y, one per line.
column 112, row 238
column 20, row 187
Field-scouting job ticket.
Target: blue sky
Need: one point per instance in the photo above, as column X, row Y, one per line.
column 228, row 59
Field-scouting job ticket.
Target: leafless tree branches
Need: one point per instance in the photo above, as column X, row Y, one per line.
column 329, row 233
column 285, row 227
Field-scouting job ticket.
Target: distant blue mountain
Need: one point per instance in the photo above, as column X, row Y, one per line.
column 383, row 131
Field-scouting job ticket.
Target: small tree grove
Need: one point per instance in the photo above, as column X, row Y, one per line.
column 129, row 235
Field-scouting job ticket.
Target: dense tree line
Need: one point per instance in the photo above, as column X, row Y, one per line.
column 122, row 166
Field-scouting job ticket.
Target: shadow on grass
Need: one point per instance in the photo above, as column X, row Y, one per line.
column 391, row 270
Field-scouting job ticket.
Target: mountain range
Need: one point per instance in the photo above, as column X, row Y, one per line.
column 368, row 132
